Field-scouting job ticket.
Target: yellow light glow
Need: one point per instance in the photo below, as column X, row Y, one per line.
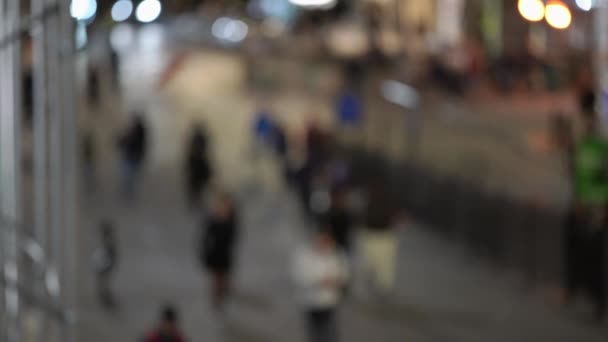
column 558, row 15
column 532, row 10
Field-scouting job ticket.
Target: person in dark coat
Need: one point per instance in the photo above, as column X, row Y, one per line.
column 198, row 167
column 133, row 146
column 217, row 246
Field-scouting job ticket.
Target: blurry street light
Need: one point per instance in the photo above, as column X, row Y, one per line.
column 315, row 4
column 83, row 10
column 148, row 11
column 122, row 10
column 230, row 30
column 585, row 5
column 558, row 14
column 531, row 10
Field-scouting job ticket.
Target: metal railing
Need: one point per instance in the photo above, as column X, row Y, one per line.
column 37, row 289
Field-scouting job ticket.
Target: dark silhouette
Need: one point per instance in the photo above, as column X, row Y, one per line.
column 198, row 166
column 217, row 246
column 88, row 162
column 93, row 86
column 133, row 146
column 339, row 220
column 115, row 65
column 167, row 330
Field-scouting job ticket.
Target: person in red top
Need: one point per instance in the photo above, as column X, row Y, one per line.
column 167, row 330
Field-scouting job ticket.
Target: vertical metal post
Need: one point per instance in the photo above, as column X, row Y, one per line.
column 4, row 321
column 54, row 230
column 40, row 140
column 10, row 161
column 70, row 162
column 40, row 125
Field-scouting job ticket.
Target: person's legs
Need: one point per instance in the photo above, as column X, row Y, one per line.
column 596, row 282
column 129, row 170
column 386, row 254
column 330, row 331
column 368, row 265
column 221, row 288
column 322, row 325
column 314, row 328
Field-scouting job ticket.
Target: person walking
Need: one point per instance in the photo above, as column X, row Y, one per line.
column 591, row 225
column 320, row 273
column 167, row 330
column 217, row 246
column 105, row 260
column 133, row 146
column 198, row 166
column 89, row 164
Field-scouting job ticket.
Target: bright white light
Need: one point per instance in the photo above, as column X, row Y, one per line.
column 230, row 30
column 558, row 15
column 122, row 10
column 532, row 10
column 83, row 9
column 148, row 11
column 585, row 5
column 322, row 4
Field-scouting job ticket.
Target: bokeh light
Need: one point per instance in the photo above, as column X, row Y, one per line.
column 585, row 5
column 230, row 30
column 558, row 15
column 122, row 10
column 322, row 4
column 532, row 10
column 83, row 9
column 148, row 11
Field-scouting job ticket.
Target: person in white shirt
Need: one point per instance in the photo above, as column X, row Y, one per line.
column 321, row 272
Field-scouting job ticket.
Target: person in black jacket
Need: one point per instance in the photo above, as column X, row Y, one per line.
column 217, row 246
column 198, row 167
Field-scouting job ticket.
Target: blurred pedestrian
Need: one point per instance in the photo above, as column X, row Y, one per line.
column 88, row 162
column 133, row 146
column 217, row 246
column 115, row 66
column 281, row 148
column 167, row 330
column 379, row 238
column 338, row 220
column 592, row 194
column 198, row 166
column 105, row 259
column 320, row 272
column 93, row 86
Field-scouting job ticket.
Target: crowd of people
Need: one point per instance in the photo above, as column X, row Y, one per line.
column 331, row 203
